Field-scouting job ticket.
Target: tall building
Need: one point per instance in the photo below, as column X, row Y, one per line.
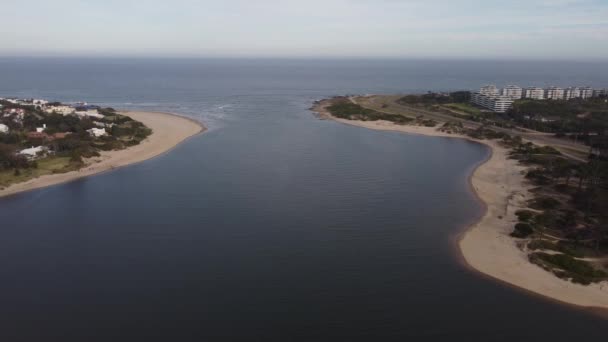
column 572, row 93
column 489, row 90
column 512, row 91
column 600, row 92
column 554, row 93
column 495, row 103
column 586, row 92
column 535, row 93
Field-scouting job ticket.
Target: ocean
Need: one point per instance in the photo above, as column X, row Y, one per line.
column 273, row 225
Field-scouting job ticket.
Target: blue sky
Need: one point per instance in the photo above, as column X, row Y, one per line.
column 562, row 29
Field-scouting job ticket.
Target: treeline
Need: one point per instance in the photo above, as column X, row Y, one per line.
column 568, row 214
column 432, row 98
column 581, row 116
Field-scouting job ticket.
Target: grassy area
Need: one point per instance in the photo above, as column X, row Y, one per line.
column 465, row 108
column 46, row 166
column 347, row 110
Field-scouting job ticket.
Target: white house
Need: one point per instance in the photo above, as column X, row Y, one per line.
column 39, row 102
column 41, row 129
column 3, row 128
column 33, row 152
column 93, row 113
column 97, row 132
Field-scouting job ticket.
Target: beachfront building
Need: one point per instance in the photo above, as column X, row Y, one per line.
column 586, row 92
column 512, row 91
column 554, row 93
column 572, row 93
column 489, row 90
column 495, row 103
column 4, row 128
column 534, row 93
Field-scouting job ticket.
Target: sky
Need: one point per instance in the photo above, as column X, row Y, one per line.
column 528, row 29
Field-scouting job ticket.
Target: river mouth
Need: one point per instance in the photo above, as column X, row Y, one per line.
column 271, row 226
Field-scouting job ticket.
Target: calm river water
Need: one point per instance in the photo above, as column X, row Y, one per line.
column 272, row 226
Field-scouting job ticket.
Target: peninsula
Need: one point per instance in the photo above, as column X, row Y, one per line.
column 544, row 225
column 43, row 144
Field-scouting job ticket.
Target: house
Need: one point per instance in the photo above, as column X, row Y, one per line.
column 103, row 124
column 41, row 129
column 92, row 113
column 4, row 128
column 97, row 132
column 63, row 110
column 33, row 152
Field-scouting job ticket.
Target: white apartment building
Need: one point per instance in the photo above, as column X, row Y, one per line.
column 572, row 93
column 600, row 92
column 554, row 93
column 489, row 90
column 512, row 91
column 586, row 92
column 535, row 93
column 495, row 103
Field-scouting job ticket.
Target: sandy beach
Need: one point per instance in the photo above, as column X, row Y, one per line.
column 168, row 131
column 486, row 246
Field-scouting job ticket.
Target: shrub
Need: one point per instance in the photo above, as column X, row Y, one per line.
column 542, row 244
column 525, row 215
column 544, row 203
column 522, row 230
column 579, row 271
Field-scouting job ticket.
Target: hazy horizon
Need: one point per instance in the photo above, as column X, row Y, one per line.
column 363, row 29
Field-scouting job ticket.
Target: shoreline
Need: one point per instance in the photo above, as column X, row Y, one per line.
column 485, row 245
column 168, row 131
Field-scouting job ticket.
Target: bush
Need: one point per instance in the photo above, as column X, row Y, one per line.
column 351, row 111
column 522, row 230
column 547, row 219
column 544, row 203
column 525, row 215
column 577, row 270
column 542, row 244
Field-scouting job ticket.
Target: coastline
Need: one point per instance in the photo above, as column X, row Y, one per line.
column 486, row 246
column 168, row 131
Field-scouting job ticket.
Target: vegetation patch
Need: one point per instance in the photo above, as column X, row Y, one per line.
column 544, row 203
column 525, row 215
column 345, row 109
column 567, row 267
column 522, row 230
